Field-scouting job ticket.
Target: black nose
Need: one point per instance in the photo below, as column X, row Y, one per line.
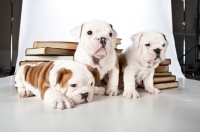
column 103, row 41
column 84, row 95
column 157, row 51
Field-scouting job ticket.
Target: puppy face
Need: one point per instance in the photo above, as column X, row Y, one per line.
column 78, row 84
column 151, row 45
column 96, row 37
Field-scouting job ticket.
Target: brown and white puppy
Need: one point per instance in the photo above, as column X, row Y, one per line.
column 139, row 60
column 96, row 48
column 62, row 83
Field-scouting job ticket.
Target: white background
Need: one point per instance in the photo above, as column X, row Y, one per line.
column 52, row 20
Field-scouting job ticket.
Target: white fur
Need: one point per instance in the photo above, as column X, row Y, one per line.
column 60, row 98
column 141, row 62
column 89, row 51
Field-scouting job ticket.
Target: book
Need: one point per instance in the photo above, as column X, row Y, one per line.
column 49, row 51
column 165, row 62
column 162, row 69
column 63, row 44
column 47, row 58
column 30, row 62
column 117, row 42
column 158, row 74
column 56, row 44
column 163, row 85
column 164, row 79
column 166, row 85
column 118, row 51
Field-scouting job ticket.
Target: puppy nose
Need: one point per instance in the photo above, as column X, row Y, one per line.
column 84, row 95
column 103, row 41
column 157, row 51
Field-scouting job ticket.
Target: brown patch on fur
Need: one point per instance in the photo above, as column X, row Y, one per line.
column 63, row 76
column 95, row 73
column 122, row 64
column 38, row 76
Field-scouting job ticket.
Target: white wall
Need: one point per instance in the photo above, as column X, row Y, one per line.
column 53, row 19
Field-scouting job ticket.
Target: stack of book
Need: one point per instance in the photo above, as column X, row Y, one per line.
column 43, row 51
column 163, row 78
column 118, row 42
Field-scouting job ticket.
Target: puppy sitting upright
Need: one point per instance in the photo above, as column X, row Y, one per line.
column 139, row 60
column 96, row 48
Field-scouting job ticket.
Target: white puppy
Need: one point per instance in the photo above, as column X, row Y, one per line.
column 61, row 83
column 96, row 48
column 139, row 60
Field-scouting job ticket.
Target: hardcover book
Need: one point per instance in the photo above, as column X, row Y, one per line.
column 49, row 51
column 48, row 58
column 56, row 44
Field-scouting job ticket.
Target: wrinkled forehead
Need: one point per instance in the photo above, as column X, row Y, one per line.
column 83, row 76
column 97, row 26
column 153, row 37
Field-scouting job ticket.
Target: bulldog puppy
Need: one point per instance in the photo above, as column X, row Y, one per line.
column 96, row 48
column 139, row 60
column 62, row 83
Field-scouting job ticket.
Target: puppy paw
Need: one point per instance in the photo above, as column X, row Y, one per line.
column 153, row 90
column 131, row 94
column 62, row 103
column 112, row 92
column 99, row 90
column 23, row 93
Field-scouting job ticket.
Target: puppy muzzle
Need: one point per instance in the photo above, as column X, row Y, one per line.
column 157, row 51
column 102, row 41
column 84, row 96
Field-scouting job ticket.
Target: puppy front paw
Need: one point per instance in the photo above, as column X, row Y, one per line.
column 112, row 92
column 23, row 93
column 153, row 90
column 99, row 90
column 131, row 94
column 62, row 103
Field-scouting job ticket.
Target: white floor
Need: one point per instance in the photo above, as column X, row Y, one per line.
column 174, row 110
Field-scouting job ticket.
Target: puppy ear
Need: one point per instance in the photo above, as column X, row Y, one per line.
column 76, row 32
column 115, row 33
column 63, row 76
column 95, row 73
column 164, row 37
column 136, row 39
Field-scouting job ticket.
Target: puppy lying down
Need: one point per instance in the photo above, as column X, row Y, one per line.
column 61, row 83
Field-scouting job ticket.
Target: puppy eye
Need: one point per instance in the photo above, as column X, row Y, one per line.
column 163, row 45
column 147, row 45
column 89, row 32
column 91, row 83
column 110, row 34
column 73, row 85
